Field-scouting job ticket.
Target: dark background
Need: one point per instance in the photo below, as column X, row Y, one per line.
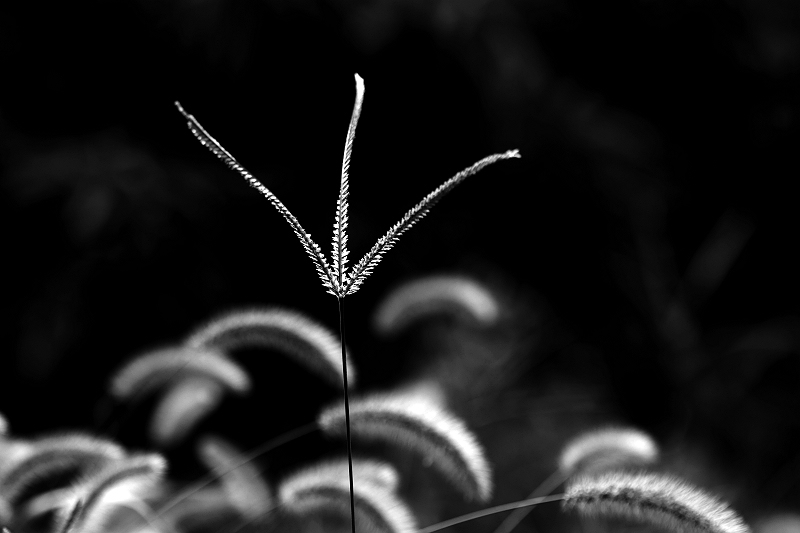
column 645, row 243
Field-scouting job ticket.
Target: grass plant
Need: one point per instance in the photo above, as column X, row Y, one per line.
column 82, row 483
column 335, row 277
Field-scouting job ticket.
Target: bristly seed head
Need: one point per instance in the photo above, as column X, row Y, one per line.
column 307, row 341
column 96, row 496
column 656, row 499
column 325, row 488
column 436, row 295
column 182, row 408
column 52, row 456
column 335, row 278
column 422, row 426
column 605, row 449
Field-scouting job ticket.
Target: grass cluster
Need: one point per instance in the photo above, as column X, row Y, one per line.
column 84, row 483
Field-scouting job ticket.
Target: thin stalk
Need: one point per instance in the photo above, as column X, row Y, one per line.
column 490, row 511
column 251, row 455
column 347, row 417
column 546, row 487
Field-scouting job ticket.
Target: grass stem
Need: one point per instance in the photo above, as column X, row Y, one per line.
column 251, row 455
column 347, row 416
column 545, row 488
column 490, row 511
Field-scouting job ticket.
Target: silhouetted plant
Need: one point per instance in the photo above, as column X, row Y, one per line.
column 79, row 483
column 335, row 278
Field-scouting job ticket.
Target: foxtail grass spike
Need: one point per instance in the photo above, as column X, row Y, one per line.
column 334, row 277
column 606, row 449
column 655, row 499
column 311, row 248
column 423, row 427
column 98, row 494
column 593, row 452
column 54, row 456
column 436, row 295
column 366, row 472
column 324, row 490
column 292, row 333
column 183, row 407
column 340, row 251
column 243, row 484
column 155, row 368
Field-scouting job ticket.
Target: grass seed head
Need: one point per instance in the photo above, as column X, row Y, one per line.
column 656, row 499
column 607, row 449
column 98, row 495
column 53, row 456
column 183, row 407
column 241, row 480
column 416, row 300
column 290, row 332
column 325, row 489
column 155, row 368
column 423, row 426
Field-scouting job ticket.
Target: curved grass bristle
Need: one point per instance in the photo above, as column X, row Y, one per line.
column 182, row 408
column 53, row 456
column 655, row 499
column 322, row 489
column 448, row 295
column 241, row 481
column 158, row 367
column 99, row 494
column 607, row 449
column 292, row 333
column 420, row 425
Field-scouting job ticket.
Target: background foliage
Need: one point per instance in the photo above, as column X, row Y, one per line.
column 645, row 243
